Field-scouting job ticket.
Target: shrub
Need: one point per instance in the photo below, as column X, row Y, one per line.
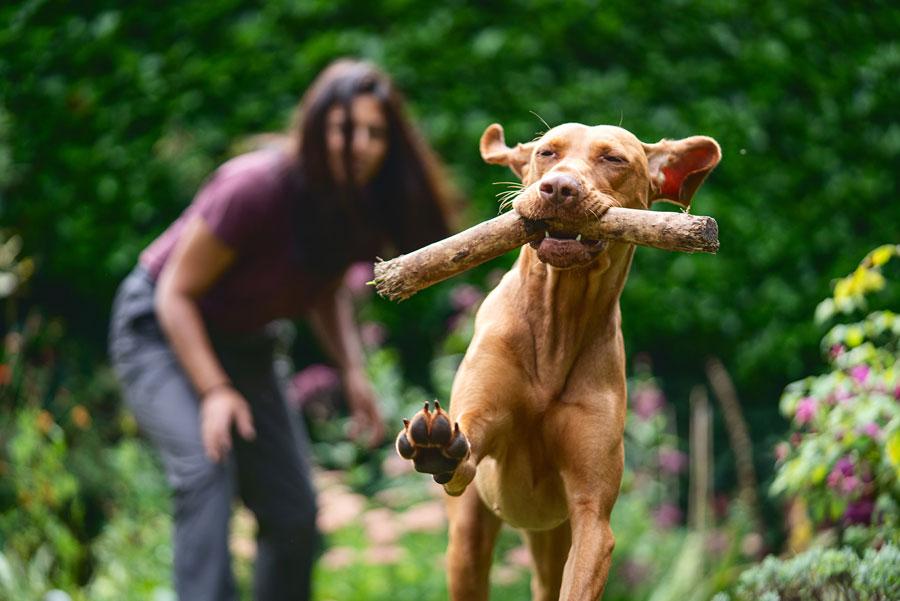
column 822, row 574
column 843, row 452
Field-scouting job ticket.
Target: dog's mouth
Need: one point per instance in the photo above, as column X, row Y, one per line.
column 567, row 250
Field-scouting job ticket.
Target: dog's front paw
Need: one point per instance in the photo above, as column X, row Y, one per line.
column 435, row 446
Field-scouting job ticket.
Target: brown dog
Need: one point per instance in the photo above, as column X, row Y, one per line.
column 537, row 410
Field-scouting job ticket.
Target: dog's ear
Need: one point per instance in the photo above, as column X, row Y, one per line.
column 495, row 151
column 678, row 167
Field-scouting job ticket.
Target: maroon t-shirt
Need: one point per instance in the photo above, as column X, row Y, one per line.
column 250, row 203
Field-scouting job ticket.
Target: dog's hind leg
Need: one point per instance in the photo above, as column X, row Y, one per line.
column 549, row 550
column 473, row 531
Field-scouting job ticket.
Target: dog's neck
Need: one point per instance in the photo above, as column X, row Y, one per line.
column 570, row 310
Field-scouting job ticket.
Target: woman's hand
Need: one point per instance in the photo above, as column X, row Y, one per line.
column 366, row 421
column 219, row 409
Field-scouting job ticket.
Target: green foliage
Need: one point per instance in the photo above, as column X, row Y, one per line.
column 133, row 553
column 114, row 114
column 82, row 504
column 111, row 117
column 843, row 457
column 420, row 575
column 14, row 270
column 822, row 574
column 39, row 546
column 43, row 527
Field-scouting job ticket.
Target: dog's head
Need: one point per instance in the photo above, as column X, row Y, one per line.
column 574, row 172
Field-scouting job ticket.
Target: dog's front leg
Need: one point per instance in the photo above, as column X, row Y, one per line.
column 592, row 459
column 447, row 448
column 434, row 443
column 450, row 446
column 587, row 568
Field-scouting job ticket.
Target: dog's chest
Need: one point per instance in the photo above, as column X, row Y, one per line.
column 522, row 488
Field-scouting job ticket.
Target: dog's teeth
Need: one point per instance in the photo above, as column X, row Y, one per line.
column 546, row 233
column 578, row 238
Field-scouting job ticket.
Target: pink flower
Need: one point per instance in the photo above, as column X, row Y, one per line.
column 836, row 351
column 844, row 466
column 782, row 449
column 871, row 430
column 372, row 334
column 834, row 478
column 850, row 484
column 807, row 408
column 314, row 381
column 465, row 297
column 668, row 516
column 860, row 373
column 843, row 395
column 897, row 392
column 717, row 542
column 357, row 277
column 634, row 572
column 859, row 512
column 647, row 401
column 672, row 461
column 841, row 476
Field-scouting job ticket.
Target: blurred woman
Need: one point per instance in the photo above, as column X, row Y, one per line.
column 268, row 236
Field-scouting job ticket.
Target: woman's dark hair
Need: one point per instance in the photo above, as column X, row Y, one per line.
column 406, row 205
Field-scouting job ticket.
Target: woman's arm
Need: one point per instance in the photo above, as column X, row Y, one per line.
column 198, row 260
column 332, row 320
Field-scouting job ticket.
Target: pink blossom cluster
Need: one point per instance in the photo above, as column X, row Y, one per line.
column 465, row 296
column 358, row 276
column 648, row 400
column 672, row 461
column 807, row 408
column 860, row 373
column 312, row 382
column 668, row 515
column 843, row 476
column 856, row 484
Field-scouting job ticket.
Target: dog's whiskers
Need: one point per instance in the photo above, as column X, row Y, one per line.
column 507, row 197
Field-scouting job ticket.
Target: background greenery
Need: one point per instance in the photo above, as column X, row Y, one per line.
column 111, row 115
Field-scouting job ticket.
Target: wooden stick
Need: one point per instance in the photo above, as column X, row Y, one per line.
column 405, row 275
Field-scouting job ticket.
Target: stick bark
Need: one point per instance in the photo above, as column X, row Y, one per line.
column 400, row 278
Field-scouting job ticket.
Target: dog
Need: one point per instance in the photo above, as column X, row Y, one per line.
column 537, row 408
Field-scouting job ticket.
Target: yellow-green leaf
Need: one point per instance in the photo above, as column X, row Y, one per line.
column 883, row 254
column 854, row 336
column 893, row 451
column 818, row 474
column 843, row 289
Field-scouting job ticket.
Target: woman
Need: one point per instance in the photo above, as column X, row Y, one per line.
column 268, row 236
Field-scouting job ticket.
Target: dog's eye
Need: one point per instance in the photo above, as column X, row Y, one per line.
column 614, row 159
column 546, row 153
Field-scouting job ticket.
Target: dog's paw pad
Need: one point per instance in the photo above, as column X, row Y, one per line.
column 432, row 443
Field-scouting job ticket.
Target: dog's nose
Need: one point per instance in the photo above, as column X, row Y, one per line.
column 559, row 187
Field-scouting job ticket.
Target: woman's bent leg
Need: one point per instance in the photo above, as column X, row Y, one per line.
column 166, row 410
column 275, row 484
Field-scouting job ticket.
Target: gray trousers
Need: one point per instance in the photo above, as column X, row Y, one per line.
column 270, row 473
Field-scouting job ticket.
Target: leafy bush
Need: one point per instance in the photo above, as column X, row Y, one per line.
column 822, row 575
column 843, row 453
column 81, row 500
